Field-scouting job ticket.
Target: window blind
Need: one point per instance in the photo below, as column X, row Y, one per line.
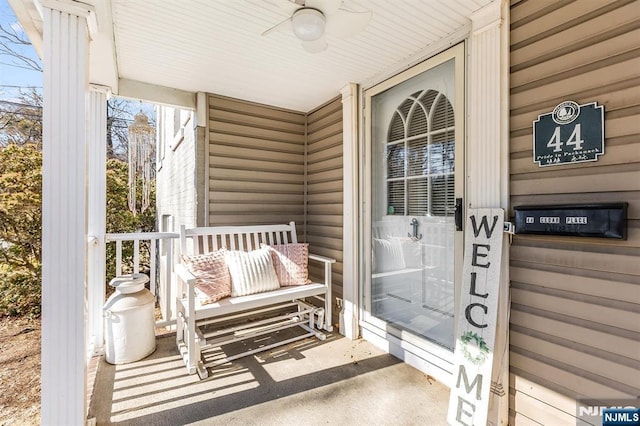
column 420, row 154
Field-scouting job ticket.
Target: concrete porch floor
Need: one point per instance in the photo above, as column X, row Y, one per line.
column 309, row 382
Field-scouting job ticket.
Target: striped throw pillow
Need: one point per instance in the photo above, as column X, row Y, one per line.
column 213, row 281
column 251, row 272
column 291, row 262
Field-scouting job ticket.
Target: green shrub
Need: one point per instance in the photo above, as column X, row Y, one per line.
column 20, row 226
column 20, row 292
column 20, row 229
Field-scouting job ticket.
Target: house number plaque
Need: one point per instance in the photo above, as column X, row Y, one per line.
column 571, row 133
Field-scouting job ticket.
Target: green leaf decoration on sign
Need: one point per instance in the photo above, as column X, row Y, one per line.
column 474, row 347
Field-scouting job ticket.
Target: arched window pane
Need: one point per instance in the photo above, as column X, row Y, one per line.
column 418, row 121
column 420, row 156
column 396, row 128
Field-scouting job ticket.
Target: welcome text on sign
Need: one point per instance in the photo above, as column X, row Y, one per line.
column 469, row 400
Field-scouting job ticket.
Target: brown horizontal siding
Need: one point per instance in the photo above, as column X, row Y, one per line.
column 226, row 152
column 579, row 61
column 268, row 165
column 262, row 198
column 594, row 21
column 324, row 189
column 254, row 121
column 240, row 162
column 575, row 317
column 330, row 140
column 268, row 134
column 221, row 103
column 326, row 165
column 535, row 400
column 248, row 142
column 585, row 179
column 559, row 18
column 590, row 81
column 325, row 186
column 256, row 163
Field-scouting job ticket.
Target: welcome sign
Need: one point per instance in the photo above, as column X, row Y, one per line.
column 476, row 318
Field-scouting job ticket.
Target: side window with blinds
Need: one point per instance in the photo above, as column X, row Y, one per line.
column 420, row 156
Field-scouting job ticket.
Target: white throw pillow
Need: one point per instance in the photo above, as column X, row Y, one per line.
column 251, row 272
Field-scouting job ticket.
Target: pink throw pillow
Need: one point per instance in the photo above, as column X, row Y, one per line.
column 213, row 281
column 291, row 263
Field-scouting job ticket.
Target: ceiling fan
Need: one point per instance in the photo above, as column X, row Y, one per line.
column 310, row 20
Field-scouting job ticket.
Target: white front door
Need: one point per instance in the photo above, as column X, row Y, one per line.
column 414, row 164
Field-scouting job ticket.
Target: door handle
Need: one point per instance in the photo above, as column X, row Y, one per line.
column 458, row 214
column 415, row 237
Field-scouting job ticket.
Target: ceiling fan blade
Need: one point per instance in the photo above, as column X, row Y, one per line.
column 284, row 25
column 289, row 6
column 346, row 23
column 315, row 46
column 353, row 6
column 328, row 7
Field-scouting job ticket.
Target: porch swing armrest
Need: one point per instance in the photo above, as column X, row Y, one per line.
column 321, row 258
column 328, row 298
column 184, row 277
column 328, row 261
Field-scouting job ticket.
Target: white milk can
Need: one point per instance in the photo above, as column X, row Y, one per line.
column 129, row 320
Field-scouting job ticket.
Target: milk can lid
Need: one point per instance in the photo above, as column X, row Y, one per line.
column 129, row 283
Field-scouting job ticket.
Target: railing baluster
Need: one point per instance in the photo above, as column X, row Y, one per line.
column 152, row 267
column 136, row 256
column 168, row 294
column 118, row 257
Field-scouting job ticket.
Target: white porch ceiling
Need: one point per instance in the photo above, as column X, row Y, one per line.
column 216, row 46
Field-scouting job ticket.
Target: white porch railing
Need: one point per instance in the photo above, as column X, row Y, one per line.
column 160, row 257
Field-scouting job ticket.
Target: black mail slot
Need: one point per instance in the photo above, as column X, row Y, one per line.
column 579, row 220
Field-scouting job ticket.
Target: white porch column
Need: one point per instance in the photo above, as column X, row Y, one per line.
column 488, row 164
column 96, row 121
column 65, row 57
column 349, row 314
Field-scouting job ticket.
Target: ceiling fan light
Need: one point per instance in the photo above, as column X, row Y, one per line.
column 308, row 24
